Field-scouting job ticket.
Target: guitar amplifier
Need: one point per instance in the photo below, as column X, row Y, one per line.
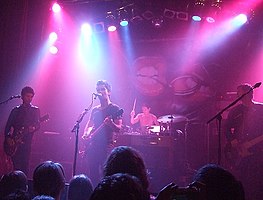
column 157, row 151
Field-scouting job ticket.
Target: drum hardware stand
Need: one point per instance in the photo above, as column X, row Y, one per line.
column 76, row 131
column 218, row 116
column 188, row 171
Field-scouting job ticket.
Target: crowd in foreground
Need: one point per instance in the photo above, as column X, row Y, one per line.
column 125, row 178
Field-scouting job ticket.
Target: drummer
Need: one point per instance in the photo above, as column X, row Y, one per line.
column 146, row 119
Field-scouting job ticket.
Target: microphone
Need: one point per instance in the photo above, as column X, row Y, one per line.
column 15, row 96
column 97, row 95
column 257, row 85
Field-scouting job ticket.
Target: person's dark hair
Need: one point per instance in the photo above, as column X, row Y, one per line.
column 43, row 197
column 17, row 195
column 48, row 179
column 246, row 87
column 146, row 105
column 12, row 181
column 80, row 188
column 118, row 187
column 220, row 184
column 124, row 159
column 26, row 90
column 105, row 83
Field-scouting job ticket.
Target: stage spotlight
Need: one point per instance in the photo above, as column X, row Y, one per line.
column 245, row 14
column 123, row 17
column 53, row 36
column 182, row 16
column 112, row 28
column 240, row 19
column 86, row 29
column 213, row 11
column 169, row 13
column 198, row 10
column 111, row 22
column 53, row 50
column 56, row 8
column 210, row 20
column 196, row 18
column 157, row 21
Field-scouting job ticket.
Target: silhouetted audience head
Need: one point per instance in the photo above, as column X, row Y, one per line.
column 49, row 179
column 119, row 187
column 124, row 159
column 80, row 188
column 13, row 181
column 220, row 184
column 17, row 195
column 43, row 197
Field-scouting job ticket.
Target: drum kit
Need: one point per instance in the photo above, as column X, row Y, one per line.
column 169, row 125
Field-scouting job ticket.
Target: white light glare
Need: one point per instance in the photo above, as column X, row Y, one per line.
column 86, row 29
column 56, row 8
column 112, row 28
column 53, row 50
column 53, row 36
column 241, row 18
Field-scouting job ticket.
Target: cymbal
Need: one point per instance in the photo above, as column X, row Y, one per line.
column 171, row 119
column 51, row 133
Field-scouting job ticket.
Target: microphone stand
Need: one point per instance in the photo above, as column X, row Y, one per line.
column 76, row 131
column 6, row 101
column 218, row 116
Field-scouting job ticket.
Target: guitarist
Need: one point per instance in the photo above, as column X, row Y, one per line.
column 244, row 125
column 103, row 122
column 23, row 119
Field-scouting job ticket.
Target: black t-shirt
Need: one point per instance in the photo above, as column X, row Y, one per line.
column 104, row 136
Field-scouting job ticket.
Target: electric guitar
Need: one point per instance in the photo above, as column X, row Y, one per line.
column 15, row 138
column 97, row 131
column 236, row 151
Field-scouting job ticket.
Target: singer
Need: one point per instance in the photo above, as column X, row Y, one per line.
column 244, row 133
column 22, row 123
column 104, row 120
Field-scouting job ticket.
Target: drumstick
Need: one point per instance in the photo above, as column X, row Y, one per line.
column 134, row 104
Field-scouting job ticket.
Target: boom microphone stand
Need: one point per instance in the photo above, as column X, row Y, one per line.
column 218, row 116
column 76, row 131
column 10, row 98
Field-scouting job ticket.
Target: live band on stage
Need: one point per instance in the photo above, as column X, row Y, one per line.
column 165, row 136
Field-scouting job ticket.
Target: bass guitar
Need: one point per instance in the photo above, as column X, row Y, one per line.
column 15, row 138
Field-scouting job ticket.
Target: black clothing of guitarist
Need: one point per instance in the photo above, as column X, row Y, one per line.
column 105, row 119
column 23, row 121
column 245, row 142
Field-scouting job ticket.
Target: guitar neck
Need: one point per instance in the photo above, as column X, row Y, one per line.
column 254, row 141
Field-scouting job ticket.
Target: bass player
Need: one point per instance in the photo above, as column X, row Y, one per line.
column 244, row 150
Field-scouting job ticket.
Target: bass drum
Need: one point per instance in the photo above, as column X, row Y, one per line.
column 156, row 129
